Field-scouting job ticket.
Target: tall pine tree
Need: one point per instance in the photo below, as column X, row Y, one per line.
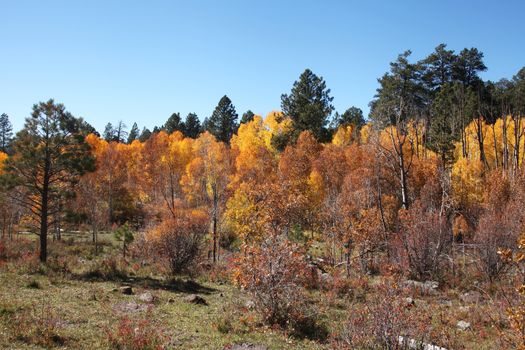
column 51, row 154
column 133, row 133
column 6, row 133
column 192, row 126
column 308, row 105
column 223, row 122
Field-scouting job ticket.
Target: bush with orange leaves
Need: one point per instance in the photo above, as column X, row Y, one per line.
column 274, row 273
column 177, row 242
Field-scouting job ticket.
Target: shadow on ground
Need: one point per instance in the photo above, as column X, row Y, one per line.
column 177, row 285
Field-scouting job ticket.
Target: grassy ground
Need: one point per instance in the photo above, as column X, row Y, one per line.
column 76, row 307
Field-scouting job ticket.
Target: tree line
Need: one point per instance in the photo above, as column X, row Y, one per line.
column 413, row 179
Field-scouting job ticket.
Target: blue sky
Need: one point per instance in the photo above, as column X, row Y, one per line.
column 142, row 60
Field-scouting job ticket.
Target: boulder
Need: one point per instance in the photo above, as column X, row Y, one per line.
column 427, row 287
column 129, row 307
column 195, row 299
column 246, row 346
column 147, row 297
column 408, row 343
column 463, row 325
column 472, row 297
column 409, row 302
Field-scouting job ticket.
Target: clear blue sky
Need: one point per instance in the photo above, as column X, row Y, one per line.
column 142, row 60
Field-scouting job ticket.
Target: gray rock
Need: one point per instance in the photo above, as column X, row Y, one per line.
column 409, row 302
column 463, row 325
column 129, row 307
column 472, row 297
column 427, row 287
column 326, row 280
column 195, row 299
column 147, row 297
column 246, row 346
column 408, row 343
column 249, row 305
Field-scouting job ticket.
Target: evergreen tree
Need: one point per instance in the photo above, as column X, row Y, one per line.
column 192, row 126
column 400, row 95
column 174, row 123
column 438, row 67
column 223, row 122
column 6, row 133
column 467, row 67
column 144, row 135
column 134, row 133
column 51, row 154
column 86, row 128
column 109, row 133
column 247, row 117
column 308, row 105
column 352, row 116
column 440, row 138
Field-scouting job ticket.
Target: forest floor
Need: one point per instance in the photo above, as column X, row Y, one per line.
column 79, row 306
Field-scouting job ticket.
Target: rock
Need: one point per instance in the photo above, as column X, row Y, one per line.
column 408, row 343
column 127, row 290
column 409, row 302
column 463, row 325
column 464, row 308
column 472, row 297
column 445, row 302
column 326, row 280
column 147, row 297
column 246, row 346
column 249, row 305
column 195, row 299
column 427, row 287
column 129, row 307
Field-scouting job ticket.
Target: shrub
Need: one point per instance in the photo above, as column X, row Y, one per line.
column 139, row 334
column 177, row 242
column 380, row 322
column 108, row 269
column 424, row 238
column 274, row 273
column 37, row 326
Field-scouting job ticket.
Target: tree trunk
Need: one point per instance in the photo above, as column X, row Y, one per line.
column 403, row 180
column 215, row 208
column 44, row 218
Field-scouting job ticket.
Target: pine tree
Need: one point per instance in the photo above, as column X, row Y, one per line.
column 308, row 105
column 109, row 133
column 6, row 133
column 247, row 117
column 223, row 122
column 134, row 133
column 51, row 154
column 440, row 138
column 145, row 135
column 174, row 123
column 192, row 126
column 352, row 116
